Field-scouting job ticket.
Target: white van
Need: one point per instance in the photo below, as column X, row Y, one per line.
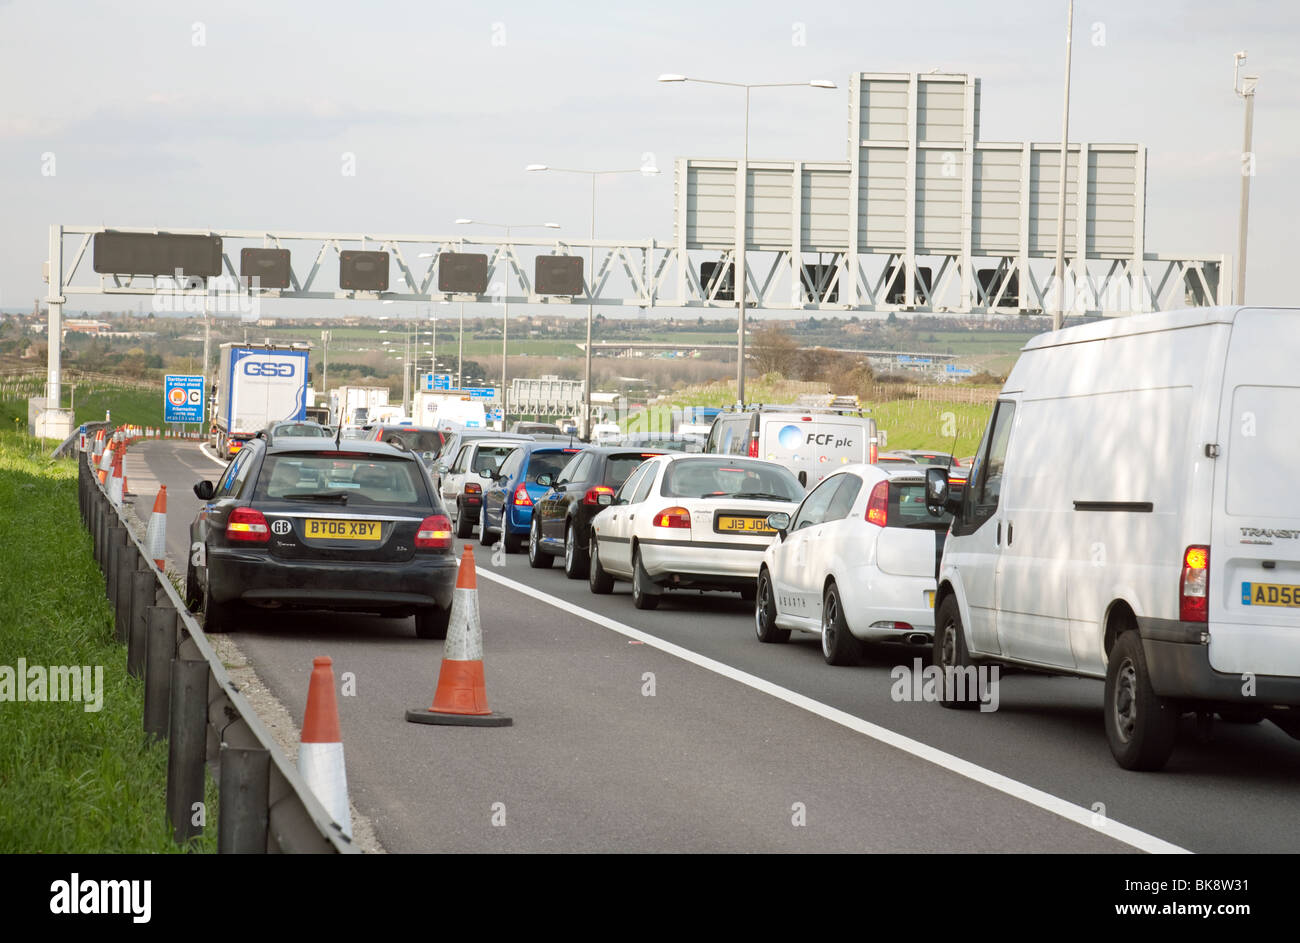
column 812, row 442
column 1133, row 514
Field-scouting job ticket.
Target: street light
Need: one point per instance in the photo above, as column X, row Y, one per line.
column 647, row 171
column 739, row 280
column 1244, row 86
column 505, row 314
column 1058, row 316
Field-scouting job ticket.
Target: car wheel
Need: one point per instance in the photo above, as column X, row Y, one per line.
column 431, row 622
column 193, row 592
column 951, row 655
column 598, row 581
column 839, row 647
column 218, row 617
column 576, row 561
column 484, row 537
column 1141, row 726
column 765, row 611
column 538, row 558
column 514, row 542
column 643, row 594
column 464, row 526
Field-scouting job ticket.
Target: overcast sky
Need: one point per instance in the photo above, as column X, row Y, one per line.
column 443, row 104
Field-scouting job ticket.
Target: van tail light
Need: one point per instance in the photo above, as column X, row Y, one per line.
column 673, row 517
column 521, row 499
column 753, row 447
column 248, row 525
column 593, row 494
column 434, row 533
column 1194, row 591
column 473, row 492
column 878, row 505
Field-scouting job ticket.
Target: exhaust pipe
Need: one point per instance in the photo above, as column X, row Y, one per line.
column 916, row 638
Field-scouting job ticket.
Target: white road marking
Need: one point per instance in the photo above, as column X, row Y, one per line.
column 1011, row 787
column 203, row 447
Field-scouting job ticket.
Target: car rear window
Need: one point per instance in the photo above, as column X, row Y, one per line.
column 705, row 478
column 364, row 479
column 618, row 467
column 299, row 428
column 490, row 457
column 907, row 507
column 418, row 440
column 547, row 463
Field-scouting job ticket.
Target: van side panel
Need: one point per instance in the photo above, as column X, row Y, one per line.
column 821, row 446
column 1255, row 551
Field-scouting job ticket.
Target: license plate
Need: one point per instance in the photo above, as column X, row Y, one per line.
column 1270, row 594
column 929, row 598
column 343, row 530
column 743, row 525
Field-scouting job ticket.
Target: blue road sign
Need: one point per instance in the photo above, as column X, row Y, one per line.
column 182, row 398
column 436, row 381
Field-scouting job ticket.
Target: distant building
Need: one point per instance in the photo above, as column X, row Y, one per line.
column 85, row 326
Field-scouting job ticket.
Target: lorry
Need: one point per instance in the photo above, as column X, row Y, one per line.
column 354, row 405
column 443, row 409
column 256, row 385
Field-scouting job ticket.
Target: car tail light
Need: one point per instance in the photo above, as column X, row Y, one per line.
column 753, row 447
column 521, row 499
column 434, row 533
column 473, row 492
column 898, row 626
column 878, row 505
column 1194, row 592
column 673, row 517
column 247, row 525
column 593, row 494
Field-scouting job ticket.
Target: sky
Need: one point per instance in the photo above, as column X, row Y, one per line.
column 242, row 115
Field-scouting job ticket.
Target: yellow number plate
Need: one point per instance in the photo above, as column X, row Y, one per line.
column 343, row 530
column 1270, row 594
column 929, row 598
column 743, row 525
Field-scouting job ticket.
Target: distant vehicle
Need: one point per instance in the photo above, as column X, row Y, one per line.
column 1132, row 516
column 256, row 385
column 925, row 457
column 668, row 442
column 535, row 428
column 511, row 491
column 895, row 459
column 810, row 441
column 562, row 518
column 353, row 405
column 461, row 484
column 689, row 522
column 449, row 411
column 282, row 430
column 855, row 563
column 317, row 414
column 308, row 524
column 423, row 440
column 456, row 439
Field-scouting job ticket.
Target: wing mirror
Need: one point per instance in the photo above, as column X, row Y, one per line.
column 544, row 480
column 779, row 522
column 605, row 500
column 204, row 490
column 938, row 492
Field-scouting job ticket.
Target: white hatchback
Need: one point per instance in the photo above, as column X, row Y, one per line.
column 689, row 521
column 856, row 563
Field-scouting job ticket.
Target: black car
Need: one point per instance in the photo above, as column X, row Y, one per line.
column 310, row 524
column 561, row 523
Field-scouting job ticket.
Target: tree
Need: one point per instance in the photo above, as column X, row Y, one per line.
column 773, row 350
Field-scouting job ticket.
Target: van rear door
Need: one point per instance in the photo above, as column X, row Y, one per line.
column 1254, row 606
column 817, row 444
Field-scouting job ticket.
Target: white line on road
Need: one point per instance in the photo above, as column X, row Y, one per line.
column 203, row 447
column 1035, row 797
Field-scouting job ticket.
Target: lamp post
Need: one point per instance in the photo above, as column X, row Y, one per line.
column 738, row 282
column 505, row 314
column 1244, row 86
column 1058, row 316
column 648, row 171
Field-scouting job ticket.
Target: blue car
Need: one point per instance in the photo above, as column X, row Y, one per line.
column 513, row 490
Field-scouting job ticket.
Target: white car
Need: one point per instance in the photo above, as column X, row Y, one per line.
column 461, row 485
column 856, row 563
column 684, row 521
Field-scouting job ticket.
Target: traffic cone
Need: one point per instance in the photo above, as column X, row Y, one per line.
column 155, row 534
column 320, row 754
column 116, row 485
column 106, row 463
column 461, row 698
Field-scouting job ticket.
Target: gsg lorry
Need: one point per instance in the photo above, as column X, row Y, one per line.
column 256, row 385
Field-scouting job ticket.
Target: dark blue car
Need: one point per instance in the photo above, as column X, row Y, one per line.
column 509, row 498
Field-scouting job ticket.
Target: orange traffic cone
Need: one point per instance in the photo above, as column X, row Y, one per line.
column 116, row 485
column 461, row 697
column 320, row 753
column 156, row 533
column 106, row 462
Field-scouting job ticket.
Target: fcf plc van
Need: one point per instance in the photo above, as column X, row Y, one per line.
column 1133, row 515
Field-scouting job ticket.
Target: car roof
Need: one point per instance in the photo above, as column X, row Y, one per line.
column 326, row 445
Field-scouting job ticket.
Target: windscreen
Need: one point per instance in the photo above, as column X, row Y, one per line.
column 709, row 478
column 490, row 457
column 547, row 463
column 419, row 440
column 361, row 479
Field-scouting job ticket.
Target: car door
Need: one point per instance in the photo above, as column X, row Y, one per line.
column 454, row 481
column 495, row 492
column 615, row 523
column 554, row 505
column 835, row 539
column 976, row 551
column 792, row 582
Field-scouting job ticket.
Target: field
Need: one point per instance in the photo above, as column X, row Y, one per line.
column 89, row 401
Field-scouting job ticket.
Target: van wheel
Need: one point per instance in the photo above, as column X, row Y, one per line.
column 576, row 560
column 464, row 526
column 643, row 594
column 765, row 611
column 1141, row 726
column 839, row 647
column 538, row 558
column 950, row 652
column 598, row 581
column 432, row 621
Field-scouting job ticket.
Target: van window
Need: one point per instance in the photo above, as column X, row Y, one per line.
column 980, row 497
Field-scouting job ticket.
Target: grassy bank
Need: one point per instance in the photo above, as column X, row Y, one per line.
column 89, row 403
column 71, row 780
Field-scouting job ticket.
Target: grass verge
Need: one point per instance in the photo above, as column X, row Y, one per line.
column 71, row 780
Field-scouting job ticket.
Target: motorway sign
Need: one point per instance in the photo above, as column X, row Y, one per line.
column 436, row 381
column 182, row 398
